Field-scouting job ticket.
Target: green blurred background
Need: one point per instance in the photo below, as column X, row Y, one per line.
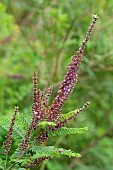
column 42, row 35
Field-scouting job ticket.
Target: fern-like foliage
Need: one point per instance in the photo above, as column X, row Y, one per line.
column 17, row 157
column 67, row 131
column 38, row 152
column 23, row 122
column 68, row 115
column 51, row 151
column 20, row 127
column 17, row 133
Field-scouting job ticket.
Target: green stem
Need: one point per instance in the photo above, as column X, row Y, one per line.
column 11, row 166
column 43, row 165
column 6, row 161
column 59, row 141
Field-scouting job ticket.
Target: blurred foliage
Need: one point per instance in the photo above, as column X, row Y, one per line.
column 43, row 35
column 6, row 22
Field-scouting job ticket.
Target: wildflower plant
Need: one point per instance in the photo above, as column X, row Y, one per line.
column 46, row 121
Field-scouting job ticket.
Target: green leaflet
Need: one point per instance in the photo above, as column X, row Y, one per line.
column 70, row 153
column 20, row 126
column 16, row 154
column 17, row 132
column 44, row 151
column 5, row 123
column 20, row 158
column 51, row 151
column 22, row 120
column 67, row 131
column 45, row 125
column 68, row 115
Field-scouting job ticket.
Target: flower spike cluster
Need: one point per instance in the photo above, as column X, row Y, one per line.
column 71, row 76
column 36, row 161
column 41, row 111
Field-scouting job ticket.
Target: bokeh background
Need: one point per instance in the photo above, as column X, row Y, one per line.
column 42, row 35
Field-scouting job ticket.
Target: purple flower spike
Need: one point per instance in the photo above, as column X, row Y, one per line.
column 71, row 77
column 8, row 142
column 48, row 94
column 5, row 152
column 62, row 123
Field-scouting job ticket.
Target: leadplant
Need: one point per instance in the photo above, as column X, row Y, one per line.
column 47, row 120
